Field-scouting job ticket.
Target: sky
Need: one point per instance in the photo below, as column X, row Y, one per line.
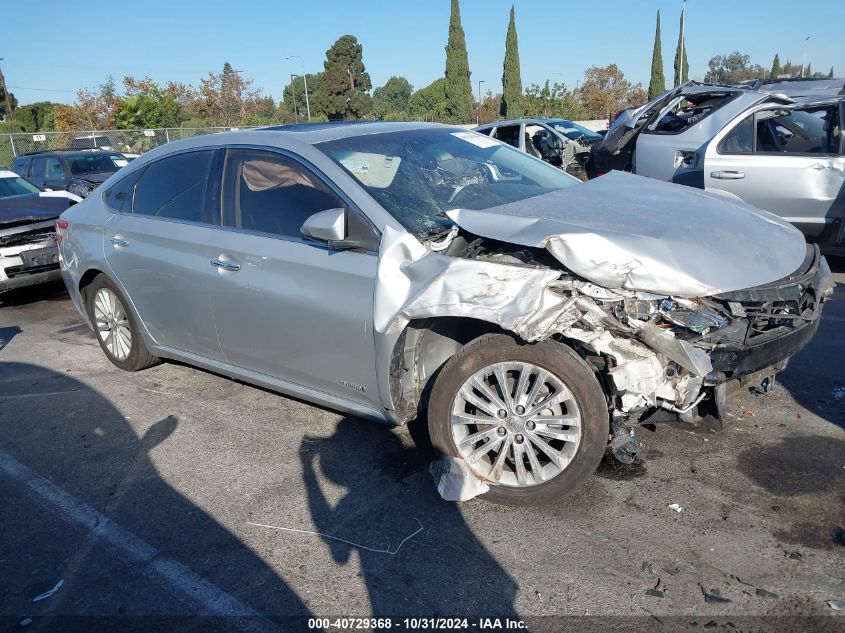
column 182, row 40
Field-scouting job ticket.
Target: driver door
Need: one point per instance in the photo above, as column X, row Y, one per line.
column 284, row 305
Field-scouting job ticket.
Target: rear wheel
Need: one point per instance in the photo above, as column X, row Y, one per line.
column 530, row 420
column 116, row 328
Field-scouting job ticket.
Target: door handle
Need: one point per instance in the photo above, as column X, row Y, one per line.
column 224, row 265
column 727, row 175
column 116, row 241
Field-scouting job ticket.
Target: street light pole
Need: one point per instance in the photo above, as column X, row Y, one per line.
column 804, row 60
column 293, row 89
column 305, row 81
column 478, row 110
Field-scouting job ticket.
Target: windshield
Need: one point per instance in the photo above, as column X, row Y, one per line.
column 416, row 175
column 16, row 186
column 572, row 130
column 91, row 163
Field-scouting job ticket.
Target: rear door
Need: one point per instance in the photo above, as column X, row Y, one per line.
column 35, row 173
column 786, row 160
column 287, row 306
column 160, row 243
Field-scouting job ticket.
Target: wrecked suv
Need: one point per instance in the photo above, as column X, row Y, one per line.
column 397, row 270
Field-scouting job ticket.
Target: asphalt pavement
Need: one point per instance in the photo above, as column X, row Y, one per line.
column 146, row 499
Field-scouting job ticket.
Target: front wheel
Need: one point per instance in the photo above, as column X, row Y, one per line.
column 529, row 419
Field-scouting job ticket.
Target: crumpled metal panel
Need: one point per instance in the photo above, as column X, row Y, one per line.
column 413, row 282
column 635, row 233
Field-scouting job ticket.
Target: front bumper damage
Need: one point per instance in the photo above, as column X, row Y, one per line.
column 28, row 255
column 655, row 355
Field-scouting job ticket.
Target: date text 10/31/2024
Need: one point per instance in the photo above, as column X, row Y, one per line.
column 417, row 624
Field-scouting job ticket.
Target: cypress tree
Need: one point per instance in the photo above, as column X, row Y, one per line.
column 830, row 74
column 511, row 106
column 458, row 87
column 658, row 82
column 808, row 72
column 681, row 75
column 776, row 69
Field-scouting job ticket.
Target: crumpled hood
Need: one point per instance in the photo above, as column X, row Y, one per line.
column 97, row 177
column 31, row 208
column 636, row 233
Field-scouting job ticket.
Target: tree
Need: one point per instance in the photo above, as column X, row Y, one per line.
column 429, row 103
column 808, row 72
column 511, row 80
column 657, row 85
column 605, row 91
column 552, row 100
column 732, row 69
column 776, row 70
column 226, row 98
column 92, row 110
column 343, row 91
column 392, row 100
column 34, row 117
column 293, row 96
column 459, row 100
column 488, row 109
column 681, row 75
column 13, row 103
column 830, row 74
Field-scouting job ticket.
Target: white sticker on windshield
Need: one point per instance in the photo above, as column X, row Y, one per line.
column 479, row 140
column 120, row 162
column 355, row 166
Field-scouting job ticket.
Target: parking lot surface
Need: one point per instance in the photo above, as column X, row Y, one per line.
column 161, row 494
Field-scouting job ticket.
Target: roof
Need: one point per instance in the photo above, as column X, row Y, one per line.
column 5, row 173
column 311, row 133
column 70, row 151
column 538, row 119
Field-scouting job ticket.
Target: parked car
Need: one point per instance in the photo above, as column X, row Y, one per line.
column 102, row 141
column 79, row 172
column 397, row 270
column 785, row 155
column 28, row 253
column 559, row 142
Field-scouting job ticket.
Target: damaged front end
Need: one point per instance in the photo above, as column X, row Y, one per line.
column 657, row 355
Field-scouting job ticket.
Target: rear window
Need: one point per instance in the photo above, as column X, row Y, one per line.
column 684, row 112
column 175, row 188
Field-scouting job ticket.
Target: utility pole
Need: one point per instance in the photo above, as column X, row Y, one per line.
column 305, row 81
column 683, row 42
column 803, row 61
column 478, row 110
column 5, row 92
column 293, row 89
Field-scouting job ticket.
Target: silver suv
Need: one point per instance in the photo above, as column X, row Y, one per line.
column 393, row 270
column 784, row 154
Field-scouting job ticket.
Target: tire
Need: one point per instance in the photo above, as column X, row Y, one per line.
column 131, row 355
column 569, row 385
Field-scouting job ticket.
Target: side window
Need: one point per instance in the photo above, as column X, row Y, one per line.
column 176, row 188
column 36, row 167
column 119, row 195
column 809, row 131
column 508, row 134
column 271, row 193
column 740, row 139
column 54, row 169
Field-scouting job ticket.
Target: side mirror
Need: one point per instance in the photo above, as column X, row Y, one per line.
column 341, row 229
column 326, row 226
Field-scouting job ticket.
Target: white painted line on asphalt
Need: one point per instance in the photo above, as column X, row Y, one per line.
column 35, row 395
column 210, row 599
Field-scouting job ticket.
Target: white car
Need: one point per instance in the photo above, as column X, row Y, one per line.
column 28, row 253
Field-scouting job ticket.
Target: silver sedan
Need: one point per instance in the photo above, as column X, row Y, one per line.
column 397, row 270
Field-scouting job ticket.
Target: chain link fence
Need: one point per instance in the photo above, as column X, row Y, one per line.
column 125, row 141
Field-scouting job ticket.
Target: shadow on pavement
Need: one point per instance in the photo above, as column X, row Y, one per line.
column 443, row 570
column 71, row 435
column 52, row 291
